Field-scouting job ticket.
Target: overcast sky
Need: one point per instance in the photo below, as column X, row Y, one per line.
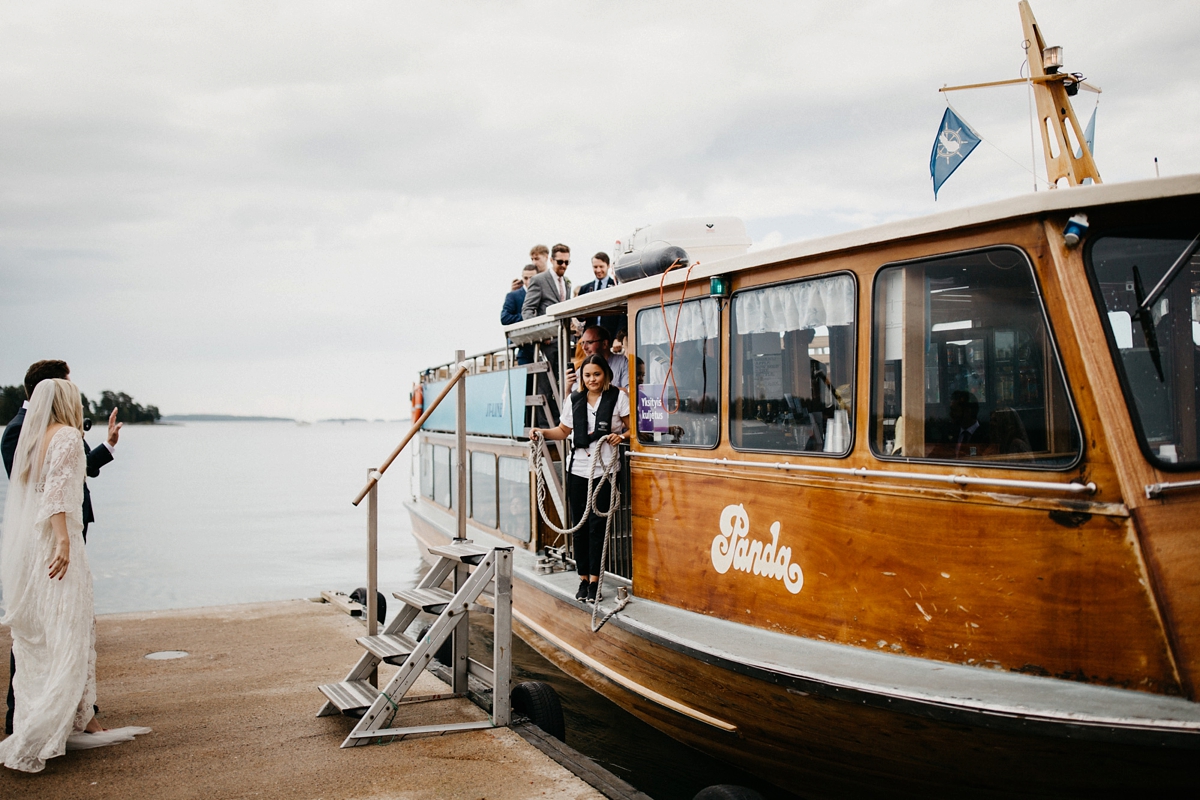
column 289, row 208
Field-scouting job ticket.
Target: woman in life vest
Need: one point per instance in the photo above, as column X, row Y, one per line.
column 598, row 421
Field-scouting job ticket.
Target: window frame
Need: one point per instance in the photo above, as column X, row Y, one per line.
column 1053, row 350
column 720, row 339
column 1118, row 363
column 853, row 371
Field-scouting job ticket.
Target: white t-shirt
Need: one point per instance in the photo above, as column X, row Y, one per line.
column 583, row 458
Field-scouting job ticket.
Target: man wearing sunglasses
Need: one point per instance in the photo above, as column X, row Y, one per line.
column 544, row 290
column 549, row 287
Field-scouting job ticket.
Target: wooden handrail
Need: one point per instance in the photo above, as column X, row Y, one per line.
column 462, row 371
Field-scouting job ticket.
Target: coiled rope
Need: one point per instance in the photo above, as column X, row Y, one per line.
column 608, row 473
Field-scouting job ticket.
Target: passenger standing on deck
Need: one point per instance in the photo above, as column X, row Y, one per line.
column 549, row 287
column 598, row 421
column 511, row 312
column 600, row 265
column 544, row 290
column 538, row 255
column 596, row 342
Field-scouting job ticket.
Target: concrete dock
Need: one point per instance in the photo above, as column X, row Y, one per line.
column 236, row 719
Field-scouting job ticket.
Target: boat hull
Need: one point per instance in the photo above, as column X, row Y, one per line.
column 827, row 740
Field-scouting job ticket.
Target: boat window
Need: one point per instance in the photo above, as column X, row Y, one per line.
column 514, row 497
column 792, row 352
column 427, row 470
column 964, row 367
column 483, row 488
column 443, row 475
column 679, row 373
column 1148, row 287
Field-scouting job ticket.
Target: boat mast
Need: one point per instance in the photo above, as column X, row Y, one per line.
column 1052, row 90
column 1054, row 109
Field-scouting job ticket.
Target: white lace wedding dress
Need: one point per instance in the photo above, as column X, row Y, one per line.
column 52, row 621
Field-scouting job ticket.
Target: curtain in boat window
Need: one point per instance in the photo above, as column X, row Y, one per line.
column 697, row 320
column 797, row 306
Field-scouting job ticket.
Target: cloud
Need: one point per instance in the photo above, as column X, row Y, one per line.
column 291, row 208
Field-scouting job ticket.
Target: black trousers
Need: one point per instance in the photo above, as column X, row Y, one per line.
column 589, row 540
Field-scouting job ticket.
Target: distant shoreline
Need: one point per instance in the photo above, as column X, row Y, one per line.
column 220, row 418
column 176, row 418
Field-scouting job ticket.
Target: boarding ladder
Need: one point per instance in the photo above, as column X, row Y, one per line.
column 357, row 693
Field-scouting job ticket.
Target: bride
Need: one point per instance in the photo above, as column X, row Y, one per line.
column 48, row 587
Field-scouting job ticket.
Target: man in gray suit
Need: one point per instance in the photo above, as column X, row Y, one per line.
column 549, row 287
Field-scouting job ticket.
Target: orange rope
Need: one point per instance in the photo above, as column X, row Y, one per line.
column 672, row 331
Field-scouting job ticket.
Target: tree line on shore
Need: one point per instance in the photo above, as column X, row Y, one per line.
column 11, row 398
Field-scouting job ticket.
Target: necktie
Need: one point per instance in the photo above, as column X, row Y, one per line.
column 562, row 290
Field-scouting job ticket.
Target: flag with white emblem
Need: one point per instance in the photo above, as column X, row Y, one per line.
column 955, row 141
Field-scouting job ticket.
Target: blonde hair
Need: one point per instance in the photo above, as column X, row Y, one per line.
column 67, row 408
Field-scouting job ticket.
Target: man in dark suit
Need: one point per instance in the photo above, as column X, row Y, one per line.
column 511, row 312
column 96, row 459
column 614, row 324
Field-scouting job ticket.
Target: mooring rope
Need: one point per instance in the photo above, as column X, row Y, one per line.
column 608, row 473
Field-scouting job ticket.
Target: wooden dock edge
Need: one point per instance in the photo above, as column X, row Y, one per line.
column 341, row 601
column 578, row 764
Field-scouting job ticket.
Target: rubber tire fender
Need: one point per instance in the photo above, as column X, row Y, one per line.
column 727, row 791
column 444, row 653
column 539, row 702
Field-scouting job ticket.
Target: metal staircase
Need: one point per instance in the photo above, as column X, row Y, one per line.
column 357, row 693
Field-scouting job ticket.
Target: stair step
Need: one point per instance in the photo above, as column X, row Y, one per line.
column 389, row 646
column 350, row 695
column 465, row 552
column 431, row 601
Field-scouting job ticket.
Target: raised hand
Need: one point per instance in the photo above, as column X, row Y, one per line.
column 114, row 428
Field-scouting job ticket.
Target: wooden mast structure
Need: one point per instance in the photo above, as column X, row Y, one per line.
column 1061, row 134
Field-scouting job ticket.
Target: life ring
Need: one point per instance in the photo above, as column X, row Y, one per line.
column 418, row 401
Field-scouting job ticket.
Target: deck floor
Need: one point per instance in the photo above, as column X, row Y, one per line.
column 236, row 719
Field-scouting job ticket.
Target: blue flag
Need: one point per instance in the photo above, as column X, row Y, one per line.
column 955, row 141
column 1089, row 136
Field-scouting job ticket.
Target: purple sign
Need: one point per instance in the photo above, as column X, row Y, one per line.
column 651, row 416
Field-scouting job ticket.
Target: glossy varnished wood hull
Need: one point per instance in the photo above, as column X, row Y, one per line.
column 814, row 744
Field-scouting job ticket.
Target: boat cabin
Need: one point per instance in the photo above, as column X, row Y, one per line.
column 968, row 437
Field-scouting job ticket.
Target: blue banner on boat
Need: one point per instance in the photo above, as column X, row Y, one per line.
column 955, row 141
column 1089, row 136
column 495, row 404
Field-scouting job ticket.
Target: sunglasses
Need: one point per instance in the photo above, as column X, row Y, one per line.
column 562, row 263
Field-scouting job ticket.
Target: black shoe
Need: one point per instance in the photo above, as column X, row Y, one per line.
column 591, row 592
column 582, row 594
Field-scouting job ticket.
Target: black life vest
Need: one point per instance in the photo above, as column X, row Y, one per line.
column 604, row 414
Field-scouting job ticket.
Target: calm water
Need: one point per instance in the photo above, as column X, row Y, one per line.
column 211, row 513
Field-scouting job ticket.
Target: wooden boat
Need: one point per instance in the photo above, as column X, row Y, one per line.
column 911, row 508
